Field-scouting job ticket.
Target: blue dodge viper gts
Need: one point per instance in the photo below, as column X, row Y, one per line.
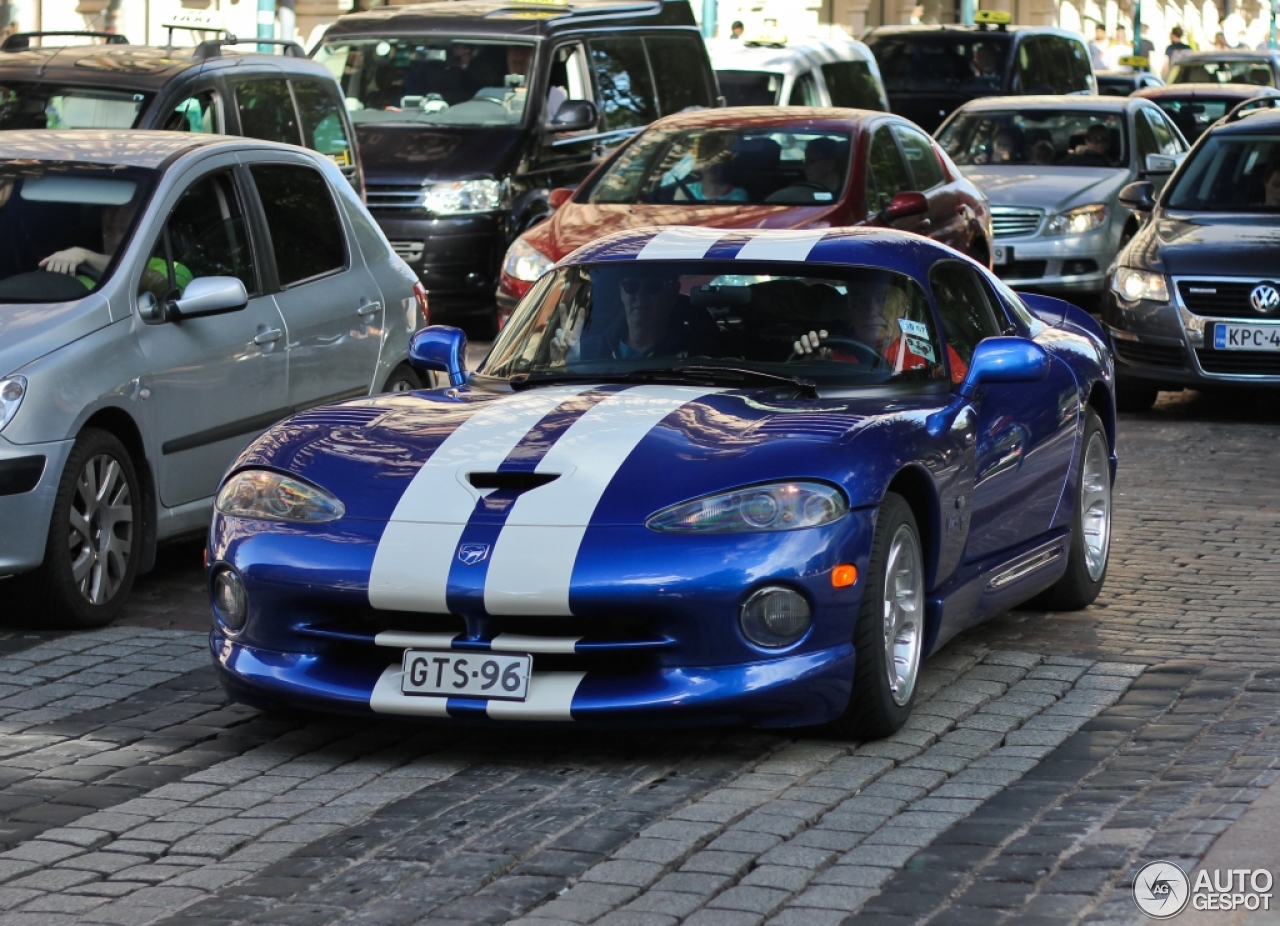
column 702, row 477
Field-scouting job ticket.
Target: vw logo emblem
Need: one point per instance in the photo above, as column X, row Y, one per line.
column 1264, row 298
column 471, row 553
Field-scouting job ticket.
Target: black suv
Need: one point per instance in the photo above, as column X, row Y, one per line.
column 207, row 88
column 469, row 113
column 1194, row 299
column 929, row 71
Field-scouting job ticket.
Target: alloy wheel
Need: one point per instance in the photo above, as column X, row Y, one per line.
column 1095, row 506
column 101, row 529
column 903, row 613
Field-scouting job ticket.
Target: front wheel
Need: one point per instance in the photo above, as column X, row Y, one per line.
column 1090, row 547
column 888, row 638
column 405, row 378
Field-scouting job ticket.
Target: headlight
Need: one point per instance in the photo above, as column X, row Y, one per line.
column 525, row 262
column 1076, row 222
column 12, row 391
column 781, row 506
column 462, row 196
column 260, row 493
column 1131, row 285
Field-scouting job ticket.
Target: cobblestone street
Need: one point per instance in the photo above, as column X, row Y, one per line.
column 1050, row 757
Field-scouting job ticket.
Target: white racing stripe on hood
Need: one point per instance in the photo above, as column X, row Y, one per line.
column 532, row 563
column 782, row 245
column 411, row 565
column 681, row 244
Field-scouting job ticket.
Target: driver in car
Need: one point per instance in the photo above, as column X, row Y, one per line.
column 88, row 266
column 823, row 175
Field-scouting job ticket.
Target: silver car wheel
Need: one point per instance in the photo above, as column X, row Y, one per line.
column 401, row 385
column 903, row 613
column 1095, row 506
column 101, row 539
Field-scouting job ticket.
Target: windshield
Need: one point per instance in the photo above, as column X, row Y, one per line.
column 1231, row 173
column 1192, row 117
column 1062, row 137
column 728, row 167
column 61, row 226
column 750, row 88
column 433, row 79
column 25, row 105
column 611, row 320
column 967, row 62
column 1257, row 71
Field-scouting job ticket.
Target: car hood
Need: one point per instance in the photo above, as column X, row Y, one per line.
column 28, row 331
column 1047, row 187
column 428, row 457
column 1235, row 245
column 409, row 154
column 576, row 224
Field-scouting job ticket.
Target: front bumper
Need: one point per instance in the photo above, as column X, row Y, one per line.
column 455, row 257
column 29, row 476
column 1071, row 264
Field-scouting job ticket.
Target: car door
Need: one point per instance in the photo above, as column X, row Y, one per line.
column 264, row 109
column 565, row 158
column 805, row 91
column 332, row 308
column 325, row 126
column 212, row 383
column 944, row 221
column 1022, row 428
column 887, row 176
column 199, row 109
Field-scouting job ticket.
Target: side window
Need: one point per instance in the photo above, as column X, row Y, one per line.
column 1147, row 143
column 625, row 89
column 851, row 85
column 1166, row 139
column 887, row 175
column 1059, row 67
column 922, row 158
column 966, row 313
column 322, row 127
column 804, row 92
column 306, row 233
column 1081, row 69
column 678, row 72
column 198, row 113
column 1032, row 75
column 204, row 236
column 567, row 79
column 266, row 111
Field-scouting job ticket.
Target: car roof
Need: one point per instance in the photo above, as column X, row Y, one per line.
column 136, row 67
column 510, row 17
column 876, row 247
column 952, row 27
column 1239, row 92
column 133, row 148
column 1101, row 103
column 793, row 57
column 1243, row 55
column 1259, row 121
column 797, row 117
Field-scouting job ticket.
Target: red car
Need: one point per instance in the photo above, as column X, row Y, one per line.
column 761, row 167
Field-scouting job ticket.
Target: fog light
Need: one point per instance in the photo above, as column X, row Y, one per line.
column 775, row 617
column 230, row 602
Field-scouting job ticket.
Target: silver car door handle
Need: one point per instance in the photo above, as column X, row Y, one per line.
column 368, row 308
column 266, row 337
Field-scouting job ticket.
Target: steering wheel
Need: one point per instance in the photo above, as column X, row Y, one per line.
column 91, row 272
column 810, row 185
column 864, row 353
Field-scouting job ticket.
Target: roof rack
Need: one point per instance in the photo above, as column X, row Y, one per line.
column 212, row 48
column 21, row 41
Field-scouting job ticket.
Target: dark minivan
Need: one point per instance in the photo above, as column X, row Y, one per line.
column 469, row 113
column 219, row 87
column 929, row 71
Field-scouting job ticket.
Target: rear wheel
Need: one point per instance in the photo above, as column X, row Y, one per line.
column 888, row 638
column 91, row 554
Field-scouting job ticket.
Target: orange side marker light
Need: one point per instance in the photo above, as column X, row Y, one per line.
column 844, row 576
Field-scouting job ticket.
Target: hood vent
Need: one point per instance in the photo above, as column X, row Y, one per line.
column 512, row 481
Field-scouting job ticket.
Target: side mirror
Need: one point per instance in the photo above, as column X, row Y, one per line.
column 442, row 348
column 575, row 116
column 559, row 196
column 1005, row 360
column 1139, row 195
column 203, row 296
column 904, row 205
column 1161, row 163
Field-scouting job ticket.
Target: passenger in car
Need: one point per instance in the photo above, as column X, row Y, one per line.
column 711, row 168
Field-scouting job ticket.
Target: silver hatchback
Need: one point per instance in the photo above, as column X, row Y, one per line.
column 165, row 298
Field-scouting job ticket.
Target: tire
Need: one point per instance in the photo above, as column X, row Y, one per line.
column 405, row 378
column 1134, row 396
column 894, row 591
column 1090, row 546
column 89, row 562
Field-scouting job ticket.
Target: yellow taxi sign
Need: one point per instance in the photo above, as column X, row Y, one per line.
column 992, row 18
column 1135, row 61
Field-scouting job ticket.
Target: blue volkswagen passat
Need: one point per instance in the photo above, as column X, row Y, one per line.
column 703, row 476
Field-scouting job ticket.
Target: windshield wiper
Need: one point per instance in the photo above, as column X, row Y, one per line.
column 682, row 374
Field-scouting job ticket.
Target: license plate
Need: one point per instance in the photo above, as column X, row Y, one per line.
column 1001, row 255
column 1246, row 337
column 496, row 676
